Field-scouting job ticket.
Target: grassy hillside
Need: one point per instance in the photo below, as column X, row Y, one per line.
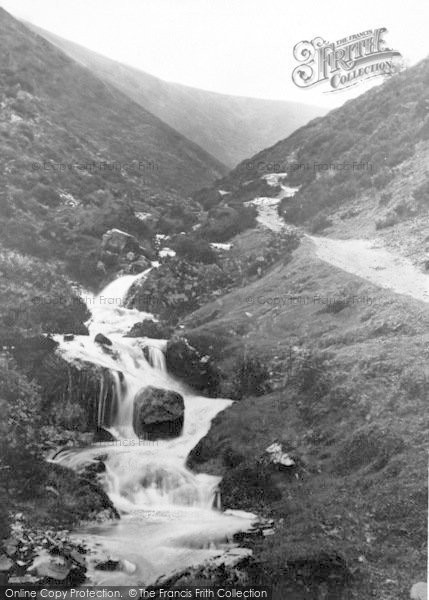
column 349, row 395
column 231, row 128
column 78, row 156
column 362, row 169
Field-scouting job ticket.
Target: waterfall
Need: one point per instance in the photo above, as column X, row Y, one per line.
column 144, row 477
column 109, row 397
column 157, row 354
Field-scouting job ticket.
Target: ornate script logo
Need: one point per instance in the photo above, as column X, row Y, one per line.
column 345, row 62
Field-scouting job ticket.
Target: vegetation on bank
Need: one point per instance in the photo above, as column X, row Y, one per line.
column 43, row 400
column 348, row 394
column 197, row 274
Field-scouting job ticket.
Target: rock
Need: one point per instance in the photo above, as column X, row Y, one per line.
column 138, row 266
column 10, row 546
column 28, row 579
column 268, row 532
column 186, row 362
column 230, row 568
column 102, row 339
column 243, row 514
column 101, row 267
column 278, row 457
column 45, row 565
column 68, row 337
column 150, row 329
column 128, row 566
column 119, row 242
column 102, row 435
column 158, row 412
column 80, row 498
column 419, row 591
column 5, row 563
column 110, row 564
column 259, row 528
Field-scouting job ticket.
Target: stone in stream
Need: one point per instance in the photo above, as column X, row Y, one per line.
column 103, row 435
column 113, row 564
column 158, row 413
column 102, row 339
column 151, row 329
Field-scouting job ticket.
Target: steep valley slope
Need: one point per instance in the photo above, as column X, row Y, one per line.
column 79, row 157
column 230, row 128
column 348, row 363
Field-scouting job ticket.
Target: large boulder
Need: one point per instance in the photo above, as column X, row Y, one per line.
column 100, row 338
column 138, row 266
column 276, row 455
column 119, row 242
column 151, row 329
column 158, row 413
column 191, row 365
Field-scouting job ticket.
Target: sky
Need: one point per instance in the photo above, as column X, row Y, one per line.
column 240, row 47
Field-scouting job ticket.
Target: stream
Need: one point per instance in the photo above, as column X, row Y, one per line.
column 170, row 517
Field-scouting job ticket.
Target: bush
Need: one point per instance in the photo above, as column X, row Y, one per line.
column 368, row 447
column 250, row 377
column 46, row 195
column 248, row 486
column 388, row 221
column 232, row 458
column 195, row 368
column 194, row 249
column 208, row 197
column 319, row 223
column 421, row 193
column 224, row 222
column 382, row 178
column 208, row 343
column 150, row 329
column 20, row 442
column 337, row 305
column 177, row 287
column 385, row 198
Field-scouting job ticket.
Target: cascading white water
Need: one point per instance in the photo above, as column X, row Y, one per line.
column 148, row 482
column 157, row 354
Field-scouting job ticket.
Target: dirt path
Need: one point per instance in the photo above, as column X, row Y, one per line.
column 363, row 258
column 366, row 259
